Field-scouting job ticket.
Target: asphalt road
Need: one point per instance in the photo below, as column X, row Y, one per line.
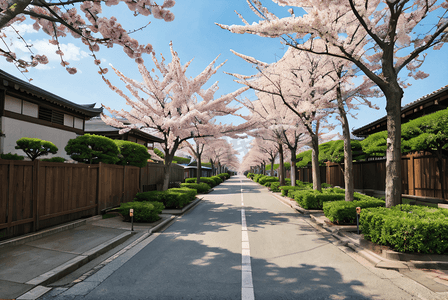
column 241, row 243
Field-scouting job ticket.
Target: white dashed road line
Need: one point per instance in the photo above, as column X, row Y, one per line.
column 247, row 287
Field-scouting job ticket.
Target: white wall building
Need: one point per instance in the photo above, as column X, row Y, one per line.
column 28, row 111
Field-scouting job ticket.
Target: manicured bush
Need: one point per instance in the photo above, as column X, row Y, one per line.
column 190, row 180
column 202, row 187
column 222, row 176
column 275, row 187
column 150, row 196
column 55, row 159
column 250, row 175
column 217, row 180
column 344, row 212
column 311, row 199
column 286, row 189
column 143, row 211
column 265, row 179
column 93, row 149
column 172, row 198
column 179, row 197
column 407, row 228
column 10, row 156
column 257, row 177
column 159, row 153
column 226, row 175
column 34, row 148
column 132, row 154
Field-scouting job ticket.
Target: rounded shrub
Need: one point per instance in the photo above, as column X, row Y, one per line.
column 143, row 211
column 93, row 149
column 202, row 187
column 132, row 154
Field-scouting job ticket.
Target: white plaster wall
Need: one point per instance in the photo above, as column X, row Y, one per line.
column 16, row 129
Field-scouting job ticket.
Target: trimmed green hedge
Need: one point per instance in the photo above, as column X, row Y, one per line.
column 250, row 175
column 285, row 189
column 54, row 159
column 202, row 187
column 344, row 212
column 275, row 187
column 263, row 180
column 311, row 199
column 143, row 211
column 10, row 156
column 172, row 198
column 211, row 181
column 407, row 228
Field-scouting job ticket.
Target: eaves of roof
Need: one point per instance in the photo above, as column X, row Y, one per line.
column 407, row 109
column 12, row 82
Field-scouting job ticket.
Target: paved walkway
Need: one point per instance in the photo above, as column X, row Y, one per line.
column 239, row 242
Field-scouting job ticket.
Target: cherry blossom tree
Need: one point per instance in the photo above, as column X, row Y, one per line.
column 380, row 37
column 82, row 19
column 169, row 106
column 219, row 152
column 269, row 149
column 302, row 95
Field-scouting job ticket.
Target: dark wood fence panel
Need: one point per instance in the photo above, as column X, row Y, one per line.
column 36, row 195
column 420, row 175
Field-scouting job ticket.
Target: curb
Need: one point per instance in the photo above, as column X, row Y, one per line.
column 75, row 263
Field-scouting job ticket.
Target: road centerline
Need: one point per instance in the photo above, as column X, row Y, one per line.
column 247, row 287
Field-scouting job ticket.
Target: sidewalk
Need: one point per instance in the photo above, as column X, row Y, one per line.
column 44, row 257
column 428, row 270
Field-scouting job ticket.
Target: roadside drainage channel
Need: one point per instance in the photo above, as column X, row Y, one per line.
column 78, row 286
column 393, row 260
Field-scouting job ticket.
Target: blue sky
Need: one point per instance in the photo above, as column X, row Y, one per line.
column 194, row 35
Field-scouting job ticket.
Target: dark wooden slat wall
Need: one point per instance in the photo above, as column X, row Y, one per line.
column 36, row 195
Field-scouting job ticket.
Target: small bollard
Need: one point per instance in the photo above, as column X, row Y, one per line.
column 358, row 211
column 131, row 214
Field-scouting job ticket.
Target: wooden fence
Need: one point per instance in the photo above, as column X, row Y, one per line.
column 420, row 175
column 36, row 195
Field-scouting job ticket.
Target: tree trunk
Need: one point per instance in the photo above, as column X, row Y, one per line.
column 348, row 157
column 169, row 155
column 272, row 166
column 293, row 166
column 393, row 152
column 199, row 169
column 315, row 163
column 281, row 171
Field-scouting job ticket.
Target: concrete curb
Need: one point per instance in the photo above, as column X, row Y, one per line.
column 75, row 263
column 40, row 234
column 394, row 260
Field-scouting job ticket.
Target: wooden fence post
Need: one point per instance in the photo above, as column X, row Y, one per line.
column 411, row 180
column 124, row 185
column 99, row 191
column 36, row 195
column 10, row 197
